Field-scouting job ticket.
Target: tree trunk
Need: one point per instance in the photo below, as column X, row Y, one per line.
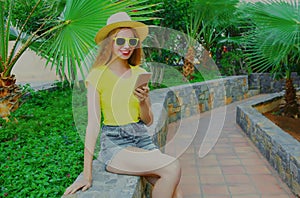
column 10, row 93
column 291, row 108
column 188, row 67
column 206, row 59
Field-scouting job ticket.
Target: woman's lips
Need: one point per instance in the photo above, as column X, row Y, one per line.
column 125, row 53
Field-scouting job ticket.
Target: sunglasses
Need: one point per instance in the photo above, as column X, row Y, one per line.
column 120, row 41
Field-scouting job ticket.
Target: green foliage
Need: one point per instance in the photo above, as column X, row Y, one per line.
column 20, row 29
column 42, row 153
column 214, row 24
column 232, row 63
column 173, row 14
column 273, row 41
column 161, row 56
column 210, row 19
column 45, row 13
column 210, row 23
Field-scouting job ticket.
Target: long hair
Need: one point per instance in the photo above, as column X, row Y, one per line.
column 105, row 50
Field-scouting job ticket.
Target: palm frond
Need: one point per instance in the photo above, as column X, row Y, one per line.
column 276, row 34
column 3, row 47
column 209, row 19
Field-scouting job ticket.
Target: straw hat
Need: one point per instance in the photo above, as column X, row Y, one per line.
column 121, row 19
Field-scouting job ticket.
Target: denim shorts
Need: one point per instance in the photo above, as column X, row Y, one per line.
column 115, row 138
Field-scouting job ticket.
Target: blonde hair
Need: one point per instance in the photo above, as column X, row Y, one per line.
column 105, row 50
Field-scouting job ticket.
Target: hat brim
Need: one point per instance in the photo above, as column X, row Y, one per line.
column 141, row 28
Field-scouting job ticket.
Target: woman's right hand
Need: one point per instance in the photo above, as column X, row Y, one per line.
column 78, row 184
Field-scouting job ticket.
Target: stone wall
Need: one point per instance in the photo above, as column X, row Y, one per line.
column 279, row 148
column 174, row 103
column 188, row 100
column 265, row 83
column 168, row 105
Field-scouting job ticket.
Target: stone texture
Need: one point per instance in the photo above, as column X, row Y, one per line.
column 265, row 83
column 279, row 148
column 108, row 185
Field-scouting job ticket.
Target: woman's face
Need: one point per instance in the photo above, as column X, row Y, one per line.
column 123, row 44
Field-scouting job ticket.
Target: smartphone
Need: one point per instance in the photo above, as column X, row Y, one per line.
column 142, row 79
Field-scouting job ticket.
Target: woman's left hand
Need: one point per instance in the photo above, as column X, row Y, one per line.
column 142, row 93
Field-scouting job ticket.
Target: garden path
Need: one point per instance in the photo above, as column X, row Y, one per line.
column 233, row 168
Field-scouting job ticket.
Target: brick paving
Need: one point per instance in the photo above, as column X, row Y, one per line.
column 233, row 168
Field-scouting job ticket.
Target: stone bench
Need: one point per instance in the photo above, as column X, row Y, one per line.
column 168, row 105
column 108, row 185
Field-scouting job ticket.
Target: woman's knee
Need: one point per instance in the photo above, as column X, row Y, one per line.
column 172, row 171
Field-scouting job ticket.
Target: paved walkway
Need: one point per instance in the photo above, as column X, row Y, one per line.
column 233, row 168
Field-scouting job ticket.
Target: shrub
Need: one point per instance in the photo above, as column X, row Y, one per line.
column 41, row 152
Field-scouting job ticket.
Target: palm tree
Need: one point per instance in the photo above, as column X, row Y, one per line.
column 208, row 20
column 10, row 92
column 64, row 44
column 273, row 43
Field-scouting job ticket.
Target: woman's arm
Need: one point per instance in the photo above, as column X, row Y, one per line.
column 146, row 114
column 92, row 132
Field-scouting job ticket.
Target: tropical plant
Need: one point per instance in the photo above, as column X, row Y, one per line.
column 208, row 21
column 42, row 12
column 65, row 43
column 175, row 14
column 273, row 43
column 10, row 92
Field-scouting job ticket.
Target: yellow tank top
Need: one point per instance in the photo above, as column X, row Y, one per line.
column 118, row 104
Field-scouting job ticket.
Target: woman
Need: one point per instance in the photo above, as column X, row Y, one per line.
column 126, row 147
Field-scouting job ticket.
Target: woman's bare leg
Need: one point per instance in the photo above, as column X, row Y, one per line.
column 152, row 180
column 134, row 161
column 178, row 193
